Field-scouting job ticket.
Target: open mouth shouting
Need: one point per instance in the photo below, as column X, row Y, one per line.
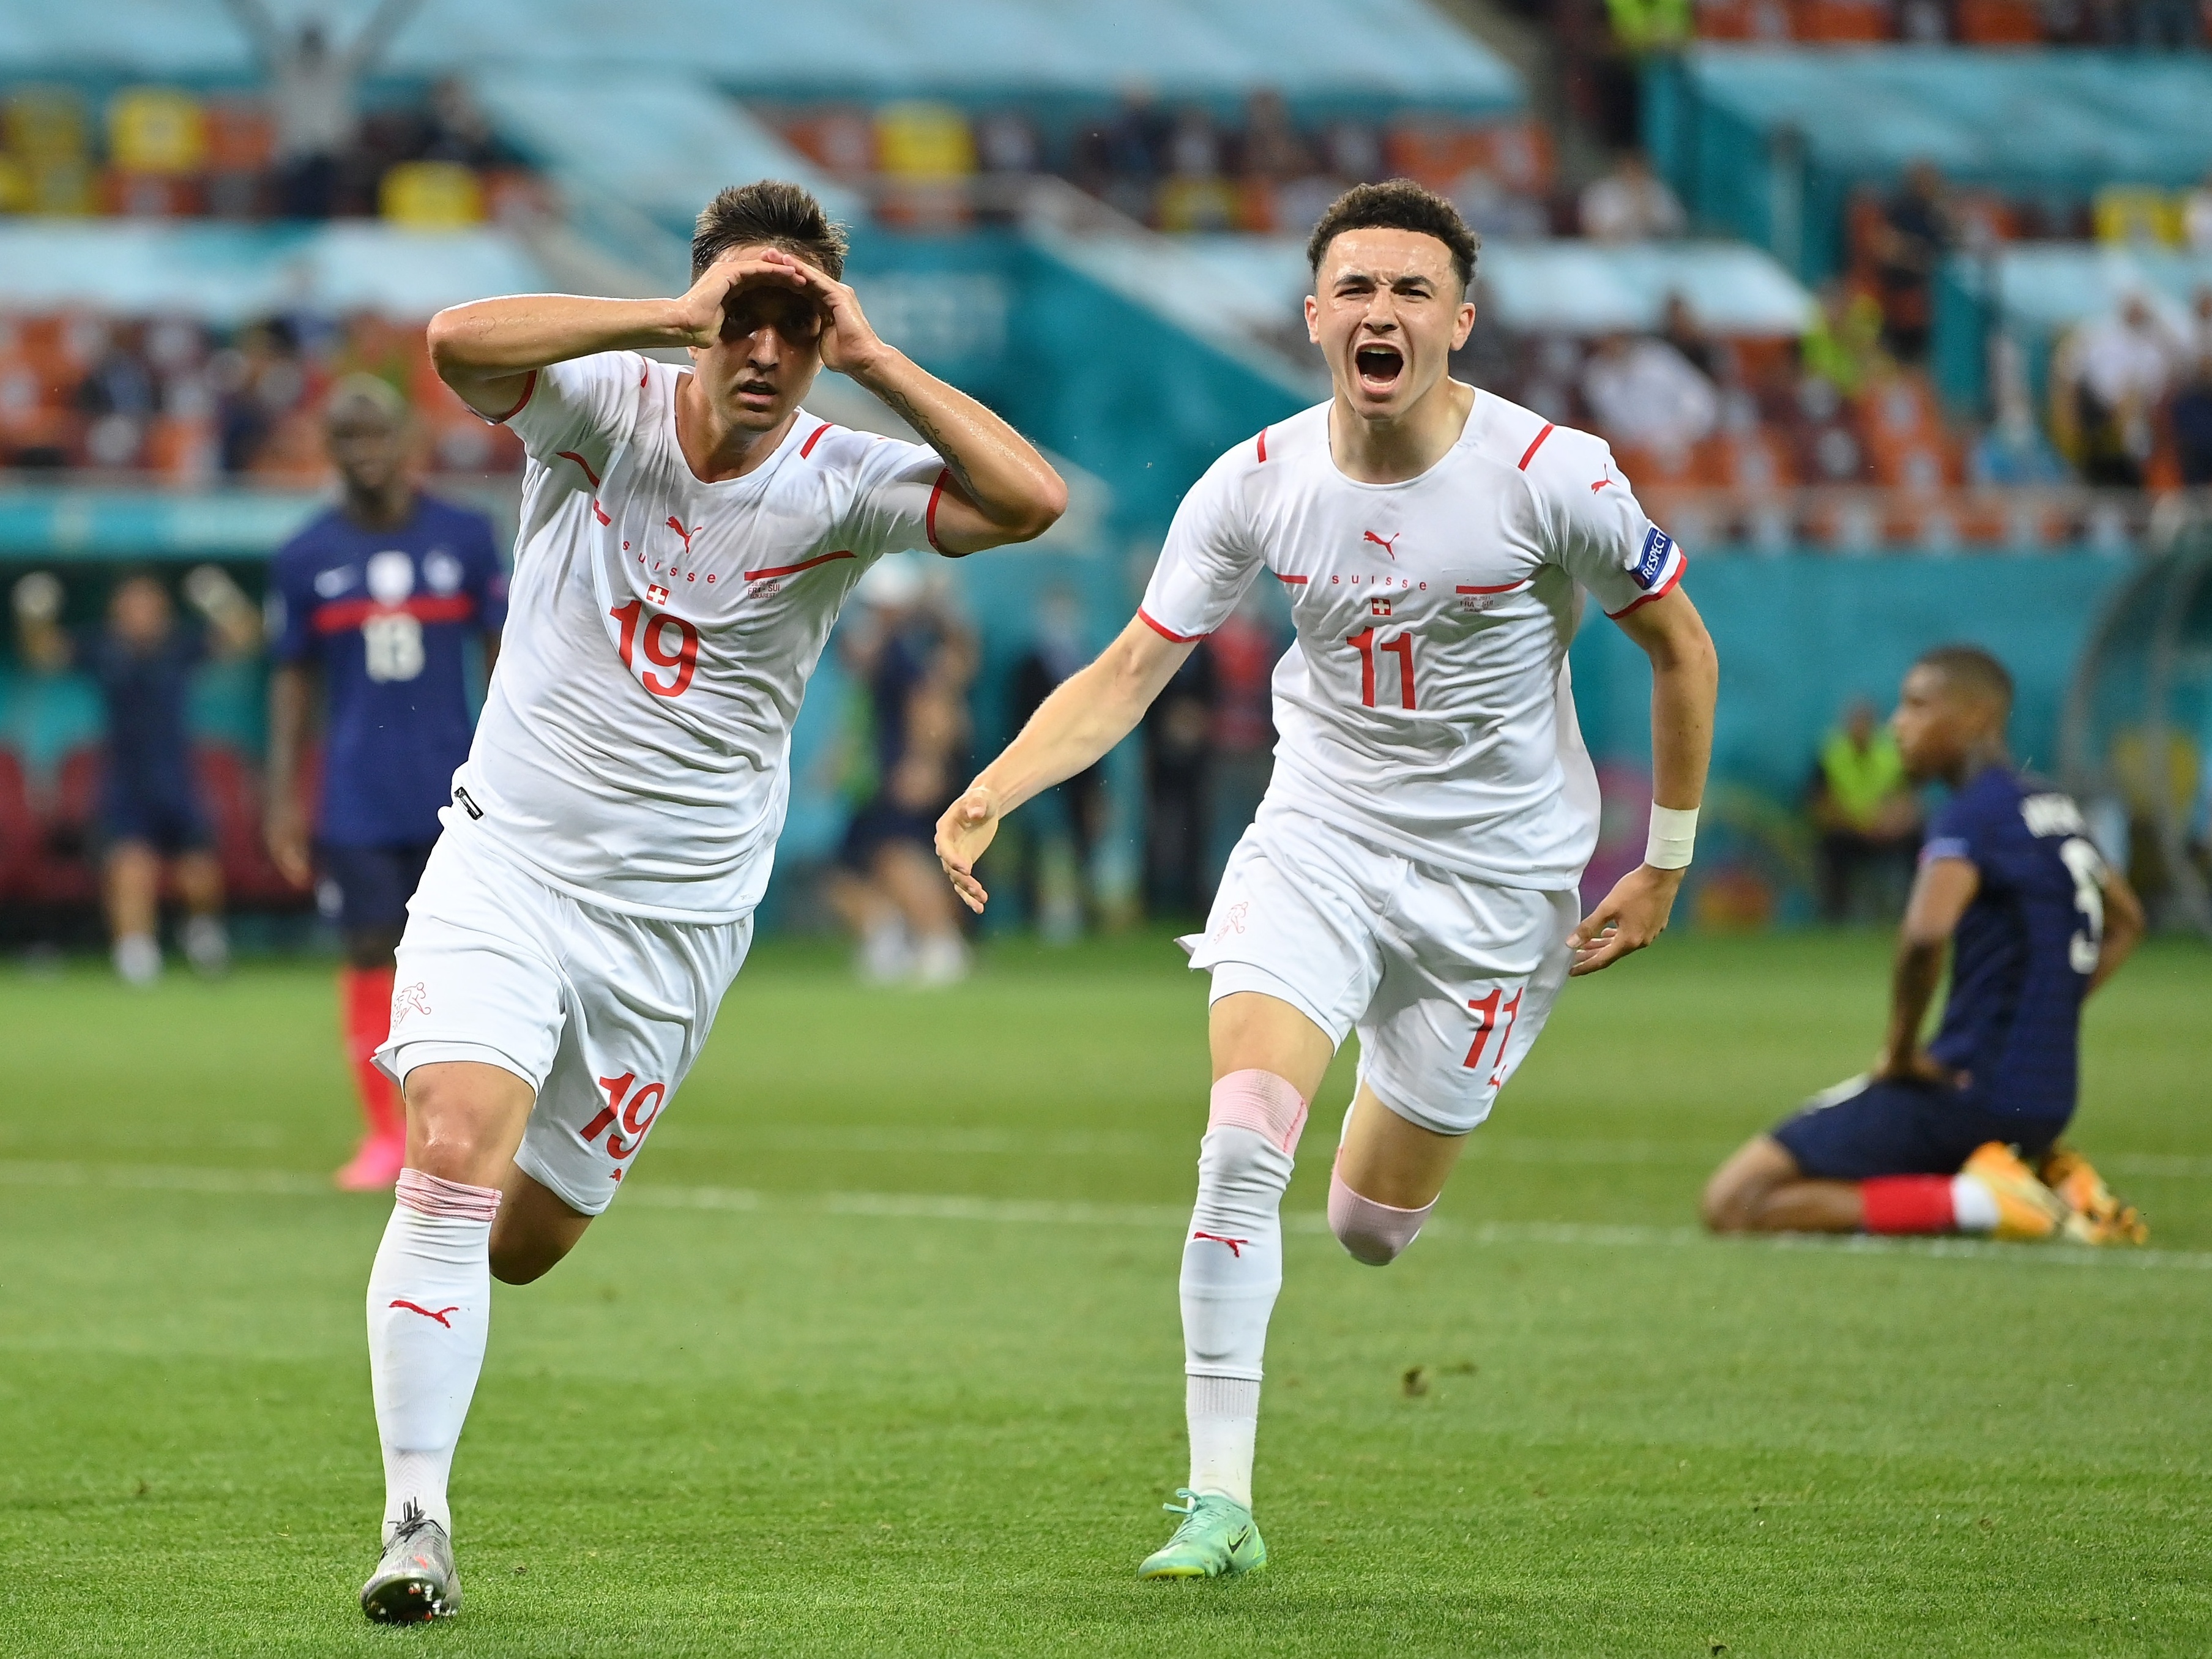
column 1379, row 367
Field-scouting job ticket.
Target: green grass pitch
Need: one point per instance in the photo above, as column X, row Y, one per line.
column 879, row 1352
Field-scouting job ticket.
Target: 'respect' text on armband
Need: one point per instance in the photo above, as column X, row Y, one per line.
column 1674, row 835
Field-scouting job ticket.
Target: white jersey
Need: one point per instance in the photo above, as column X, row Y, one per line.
column 634, row 747
column 1424, row 705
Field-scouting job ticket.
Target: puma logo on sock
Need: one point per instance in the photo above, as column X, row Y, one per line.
column 1236, row 1246
column 439, row 1316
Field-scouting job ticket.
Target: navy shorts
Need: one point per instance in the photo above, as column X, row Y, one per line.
column 877, row 825
column 1860, row 1129
column 169, row 820
column 363, row 887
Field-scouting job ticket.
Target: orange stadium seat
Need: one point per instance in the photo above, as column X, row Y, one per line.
column 1842, row 21
column 1999, row 22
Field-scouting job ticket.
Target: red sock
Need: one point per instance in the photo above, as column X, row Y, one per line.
column 1908, row 1204
column 366, row 996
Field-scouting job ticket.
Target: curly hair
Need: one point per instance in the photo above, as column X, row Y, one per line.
column 1397, row 204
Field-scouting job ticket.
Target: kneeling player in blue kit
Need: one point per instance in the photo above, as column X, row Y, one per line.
column 1962, row 1135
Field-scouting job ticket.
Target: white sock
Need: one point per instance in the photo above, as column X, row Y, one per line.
column 430, row 1308
column 1974, row 1206
column 1232, row 1269
column 1223, row 1415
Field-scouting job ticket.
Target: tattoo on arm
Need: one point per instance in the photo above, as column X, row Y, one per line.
column 927, row 430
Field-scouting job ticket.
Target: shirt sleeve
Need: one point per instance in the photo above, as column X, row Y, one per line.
column 1598, row 531
column 293, row 601
column 1954, row 833
column 579, row 412
column 897, row 488
column 1208, row 560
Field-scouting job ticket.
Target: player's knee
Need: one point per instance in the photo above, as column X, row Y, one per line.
column 1375, row 1234
column 460, row 1128
column 1732, row 1197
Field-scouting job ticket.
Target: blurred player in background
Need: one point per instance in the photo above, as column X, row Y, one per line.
column 381, row 599
column 687, row 538
column 143, row 660
column 1933, row 1140
column 1412, row 872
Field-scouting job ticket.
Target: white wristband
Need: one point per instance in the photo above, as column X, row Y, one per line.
column 1674, row 834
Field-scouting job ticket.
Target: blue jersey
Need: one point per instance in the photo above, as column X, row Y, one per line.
column 148, row 752
column 2023, row 952
column 388, row 616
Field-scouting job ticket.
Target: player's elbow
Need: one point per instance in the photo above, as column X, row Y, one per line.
column 1041, row 506
column 447, row 339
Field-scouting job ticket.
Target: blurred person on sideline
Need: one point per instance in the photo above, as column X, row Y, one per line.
column 142, row 658
column 1913, row 235
column 1178, row 788
column 1863, row 809
column 2108, row 378
column 2013, row 450
column 314, row 88
column 2188, row 424
column 916, row 658
column 1644, row 394
column 380, row 602
column 1053, row 892
column 1962, row 1135
column 1631, row 204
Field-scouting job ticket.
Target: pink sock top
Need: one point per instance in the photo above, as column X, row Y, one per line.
column 1261, row 1102
column 429, row 1194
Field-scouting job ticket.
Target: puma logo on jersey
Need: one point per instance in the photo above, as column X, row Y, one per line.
column 676, row 525
column 1389, row 547
column 1599, row 485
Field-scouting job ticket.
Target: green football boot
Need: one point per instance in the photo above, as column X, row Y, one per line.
column 1218, row 1539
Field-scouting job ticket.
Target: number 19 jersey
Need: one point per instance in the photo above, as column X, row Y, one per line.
column 634, row 747
column 1424, row 705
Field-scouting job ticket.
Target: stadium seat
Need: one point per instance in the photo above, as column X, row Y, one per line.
column 431, row 196
column 1998, row 22
column 19, row 827
column 1842, row 21
column 230, row 793
column 64, row 874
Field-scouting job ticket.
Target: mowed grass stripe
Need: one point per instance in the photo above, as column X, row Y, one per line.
column 958, row 1206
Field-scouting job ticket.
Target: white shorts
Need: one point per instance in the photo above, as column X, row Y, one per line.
column 1447, row 979
column 600, row 1013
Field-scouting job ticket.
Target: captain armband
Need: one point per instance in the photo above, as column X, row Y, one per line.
column 1673, row 835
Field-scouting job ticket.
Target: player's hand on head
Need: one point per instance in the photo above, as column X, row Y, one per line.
column 849, row 339
column 706, row 303
column 1631, row 916
column 962, row 834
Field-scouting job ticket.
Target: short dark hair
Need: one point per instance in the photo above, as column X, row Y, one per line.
column 1397, row 204
column 768, row 213
column 1971, row 669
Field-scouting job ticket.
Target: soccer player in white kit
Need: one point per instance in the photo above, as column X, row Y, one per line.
column 1412, row 873
column 687, row 537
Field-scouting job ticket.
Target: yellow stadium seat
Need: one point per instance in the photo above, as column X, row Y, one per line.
column 924, row 141
column 431, row 195
column 2137, row 213
column 45, row 123
column 157, row 130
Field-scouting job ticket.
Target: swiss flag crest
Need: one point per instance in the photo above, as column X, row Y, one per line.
column 1378, row 607
column 656, row 594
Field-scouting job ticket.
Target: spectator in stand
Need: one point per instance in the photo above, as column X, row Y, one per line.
column 915, row 658
column 1914, row 233
column 1866, row 814
column 314, row 94
column 381, row 598
column 1844, row 348
column 2188, row 424
column 1631, row 204
column 1178, row 785
column 2109, row 377
column 1644, row 394
column 2196, row 217
column 142, row 661
column 1056, row 651
column 1120, row 159
column 1678, row 327
column 1271, row 149
column 2014, row 451
column 455, row 129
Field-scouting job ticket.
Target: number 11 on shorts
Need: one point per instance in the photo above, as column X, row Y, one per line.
column 1490, row 1018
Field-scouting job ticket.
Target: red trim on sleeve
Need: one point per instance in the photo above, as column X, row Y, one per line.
column 352, row 613
column 929, row 518
column 1167, row 633
column 812, row 439
column 1295, row 581
column 1263, row 443
column 571, row 455
column 529, row 387
column 1681, row 563
column 793, row 569
column 1535, row 444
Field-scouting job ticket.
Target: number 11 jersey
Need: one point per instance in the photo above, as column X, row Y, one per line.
column 634, row 746
column 1425, row 707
